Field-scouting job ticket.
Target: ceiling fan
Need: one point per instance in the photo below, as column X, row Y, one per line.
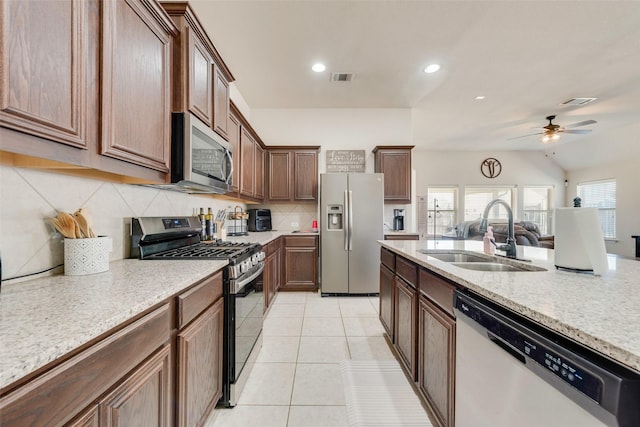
column 551, row 132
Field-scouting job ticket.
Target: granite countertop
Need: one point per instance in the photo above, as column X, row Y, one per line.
column 46, row 318
column 600, row 312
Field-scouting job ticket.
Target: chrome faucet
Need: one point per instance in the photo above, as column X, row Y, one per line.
column 510, row 246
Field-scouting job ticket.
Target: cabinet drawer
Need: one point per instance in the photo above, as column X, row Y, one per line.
column 388, row 258
column 62, row 392
column 193, row 302
column 306, row 241
column 407, row 270
column 437, row 290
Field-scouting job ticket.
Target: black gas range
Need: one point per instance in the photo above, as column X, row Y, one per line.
column 174, row 238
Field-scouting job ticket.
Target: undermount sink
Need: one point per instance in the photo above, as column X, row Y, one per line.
column 454, row 256
column 470, row 261
column 491, row 266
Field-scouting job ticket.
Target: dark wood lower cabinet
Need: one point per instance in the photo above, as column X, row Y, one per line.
column 143, row 399
column 387, row 299
column 405, row 324
column 300, row 263
column 200, row 366
column 436, row 360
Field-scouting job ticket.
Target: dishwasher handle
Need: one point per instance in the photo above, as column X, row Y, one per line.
column 506, row 347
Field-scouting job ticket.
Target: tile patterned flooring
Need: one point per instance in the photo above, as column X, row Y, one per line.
column 296, row 381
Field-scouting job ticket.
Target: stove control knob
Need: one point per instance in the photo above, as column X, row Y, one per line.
column 261, row 256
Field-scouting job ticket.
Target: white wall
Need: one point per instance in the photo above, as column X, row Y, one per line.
column 627, row 176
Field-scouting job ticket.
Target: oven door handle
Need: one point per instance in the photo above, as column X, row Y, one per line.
column 245, row 280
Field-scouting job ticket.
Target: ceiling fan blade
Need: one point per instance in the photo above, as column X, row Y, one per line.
column 577, row 131
column 584, row 123
column 524, row 136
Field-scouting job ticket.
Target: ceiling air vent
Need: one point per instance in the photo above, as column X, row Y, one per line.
column 341, row 77
column 578, row 101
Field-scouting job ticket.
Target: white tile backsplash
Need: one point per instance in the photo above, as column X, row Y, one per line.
column 28, row 244
column 284, row 215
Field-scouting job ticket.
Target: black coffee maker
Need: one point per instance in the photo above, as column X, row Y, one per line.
column 398, row 219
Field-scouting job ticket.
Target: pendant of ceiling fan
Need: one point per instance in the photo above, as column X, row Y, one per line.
column 552, row 131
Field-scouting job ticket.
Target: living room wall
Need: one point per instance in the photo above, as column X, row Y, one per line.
column 627, row 178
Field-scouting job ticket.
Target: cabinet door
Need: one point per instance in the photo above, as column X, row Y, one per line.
column 396, row 166
column 220, row 103
column 143, row 399
column 200, row 79
column 90, row 418
column 234, row 140
column 247, row 162
column 279, row 169
column 300, row 264
column 258, row 190
column 386, row 299
column 43, row 84
column 136, row 59
column 436, row 360
column 200, row 366
column 305, row 176
column 405, row 324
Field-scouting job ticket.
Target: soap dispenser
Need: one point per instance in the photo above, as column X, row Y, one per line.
column 489, row 242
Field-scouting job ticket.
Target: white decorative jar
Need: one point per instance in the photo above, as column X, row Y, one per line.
column 86, row 256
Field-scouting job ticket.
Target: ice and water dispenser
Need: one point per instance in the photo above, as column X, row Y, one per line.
column 335, row 217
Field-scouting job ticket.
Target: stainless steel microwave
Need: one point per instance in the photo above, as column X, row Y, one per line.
column 201, row 160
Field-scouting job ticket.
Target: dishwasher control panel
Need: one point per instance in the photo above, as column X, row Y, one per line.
column 524, row 344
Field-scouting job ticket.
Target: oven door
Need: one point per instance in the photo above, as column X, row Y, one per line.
column 243, row 330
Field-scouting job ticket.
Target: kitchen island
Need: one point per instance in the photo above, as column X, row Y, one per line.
column 599, row 312
column 418, row 281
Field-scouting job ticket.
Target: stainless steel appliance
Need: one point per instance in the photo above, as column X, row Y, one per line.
column 179, row 238
column 512, row 372
column 259, row 219
column 351, row 212
column 398, row 219
column 201, row 160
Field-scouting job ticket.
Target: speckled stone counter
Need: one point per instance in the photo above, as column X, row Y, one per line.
column 43, row 319
column 601, row 312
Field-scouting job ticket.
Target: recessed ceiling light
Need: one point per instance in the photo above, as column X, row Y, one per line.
column 318, row 68
column 480, row 97
column 431, row 68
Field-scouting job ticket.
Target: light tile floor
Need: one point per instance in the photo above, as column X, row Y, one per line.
column 296, row 381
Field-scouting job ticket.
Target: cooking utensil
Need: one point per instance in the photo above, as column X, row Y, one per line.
column 66, row 225
column 83, row 221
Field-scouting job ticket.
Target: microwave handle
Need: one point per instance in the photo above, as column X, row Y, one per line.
column 229, row 176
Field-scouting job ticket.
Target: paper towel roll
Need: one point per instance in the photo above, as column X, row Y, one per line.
column 579, row 242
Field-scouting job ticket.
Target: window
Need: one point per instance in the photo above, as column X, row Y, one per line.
column 538, row 207
column 441, row 210
column 476, row 199
column 601, row 195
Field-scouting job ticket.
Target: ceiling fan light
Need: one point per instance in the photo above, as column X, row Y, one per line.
column 555, row 137
column 546, row 138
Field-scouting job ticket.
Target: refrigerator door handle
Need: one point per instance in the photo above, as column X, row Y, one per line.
column 346, row 224
column 350, row 219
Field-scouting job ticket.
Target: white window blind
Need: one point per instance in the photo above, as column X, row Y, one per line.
column 441, row 209
column 601, row 195
column 476, row 199
column 538, row 207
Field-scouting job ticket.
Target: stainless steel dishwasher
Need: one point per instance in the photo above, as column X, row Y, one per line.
column 513, row 372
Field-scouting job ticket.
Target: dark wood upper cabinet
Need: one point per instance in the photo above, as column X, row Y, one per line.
column 136, row 82
column 292, row 174
column 258, row 178
column 43, row 83
column 247, row 162
column 251, row 158
column 395, row 163
column 220, row 103
column 234, row 139
column 201, row 85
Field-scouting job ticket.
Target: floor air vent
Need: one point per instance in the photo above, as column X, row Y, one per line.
column 341, row 77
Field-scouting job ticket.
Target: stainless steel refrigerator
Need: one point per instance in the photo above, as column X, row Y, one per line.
column 351, row 220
